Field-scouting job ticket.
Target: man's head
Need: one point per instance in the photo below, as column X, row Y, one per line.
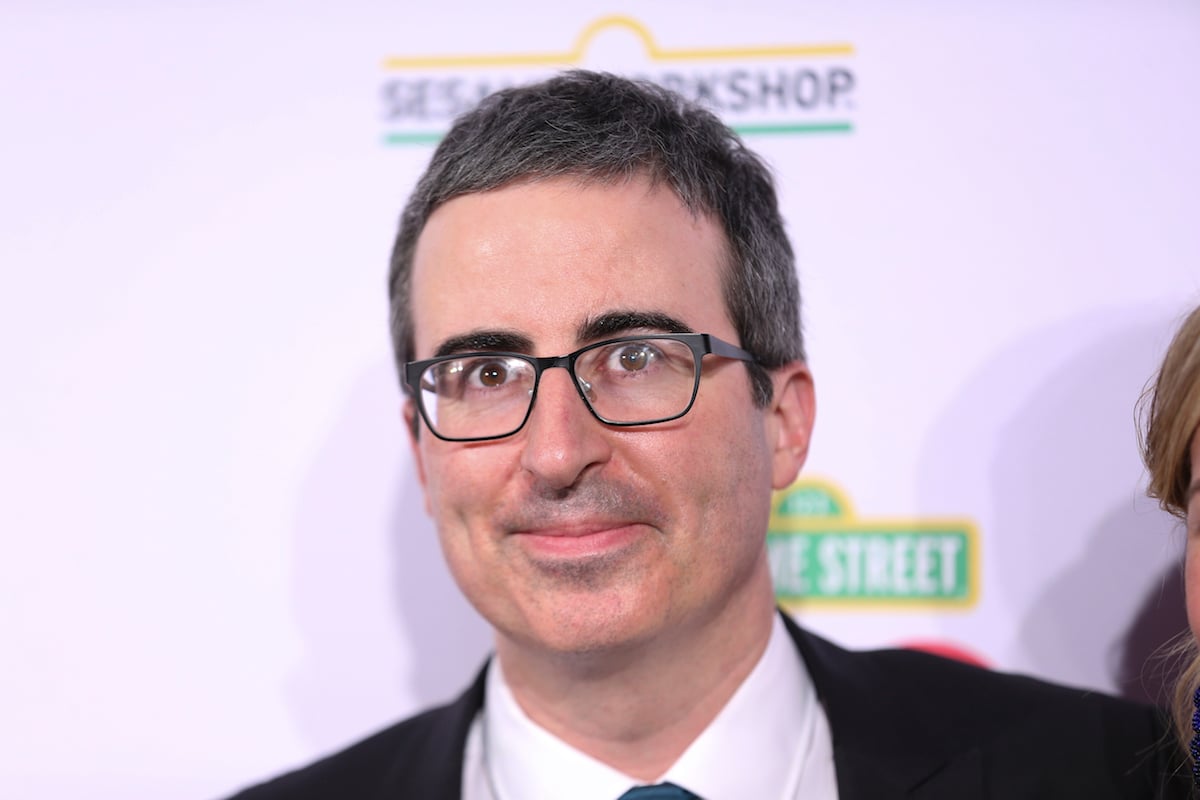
column 552, row 220
column 601, row 128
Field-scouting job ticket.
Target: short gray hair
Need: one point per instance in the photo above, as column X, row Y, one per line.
column 602, row 127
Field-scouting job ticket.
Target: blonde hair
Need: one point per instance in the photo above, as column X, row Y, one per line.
column 1170, row 415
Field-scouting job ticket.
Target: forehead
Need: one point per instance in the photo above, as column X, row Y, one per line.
column 540, row 258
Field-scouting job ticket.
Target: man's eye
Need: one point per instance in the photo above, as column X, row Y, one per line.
column 633, row 359
column 491, row 374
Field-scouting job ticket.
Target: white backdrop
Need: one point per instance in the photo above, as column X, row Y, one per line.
column 216, row 562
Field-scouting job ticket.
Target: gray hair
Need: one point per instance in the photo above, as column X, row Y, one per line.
column 601, row 127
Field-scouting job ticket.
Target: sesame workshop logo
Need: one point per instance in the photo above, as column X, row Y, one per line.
column 821, row 553
column 766, row 90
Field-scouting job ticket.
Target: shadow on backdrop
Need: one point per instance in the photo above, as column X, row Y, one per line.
column 1145, row 670
column 1075, row 613
column 449, row 639
column 1066, row 457
column 385, row 630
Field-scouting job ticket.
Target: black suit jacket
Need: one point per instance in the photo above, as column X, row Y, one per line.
column 904, row 724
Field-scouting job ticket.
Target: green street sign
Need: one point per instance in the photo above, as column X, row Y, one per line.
column 821, row 553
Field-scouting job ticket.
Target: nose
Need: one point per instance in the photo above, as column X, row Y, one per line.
column 561, row 438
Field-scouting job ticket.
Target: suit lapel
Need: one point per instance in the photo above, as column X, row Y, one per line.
column 434, row 769
column 882, row 746
column 861, row 777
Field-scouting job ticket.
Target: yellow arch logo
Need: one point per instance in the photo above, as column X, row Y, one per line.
column 576, row 54
column 783, row 89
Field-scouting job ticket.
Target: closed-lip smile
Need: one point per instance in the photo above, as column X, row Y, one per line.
column 579, row 539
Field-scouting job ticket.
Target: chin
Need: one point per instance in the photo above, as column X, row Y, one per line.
column 589, row 626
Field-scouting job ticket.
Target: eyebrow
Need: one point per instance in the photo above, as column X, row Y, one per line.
column 613, row 323
column 485, row 341
column 616, row 323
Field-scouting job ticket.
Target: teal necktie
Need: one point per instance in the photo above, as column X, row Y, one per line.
column 659, row 791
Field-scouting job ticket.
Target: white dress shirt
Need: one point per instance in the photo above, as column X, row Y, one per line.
column 771, row 740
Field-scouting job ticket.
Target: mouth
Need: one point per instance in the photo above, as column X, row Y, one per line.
column 575, row 541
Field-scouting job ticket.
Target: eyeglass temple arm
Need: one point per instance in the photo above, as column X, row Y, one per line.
column 724, row 349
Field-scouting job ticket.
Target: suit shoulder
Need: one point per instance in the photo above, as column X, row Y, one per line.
column 996, row 687
column 1029, row 734
column 1033, row 728
column 361, row 769
column 965, row 691
column 421, row 756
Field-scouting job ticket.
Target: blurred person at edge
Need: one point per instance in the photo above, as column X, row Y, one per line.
column 1171, row 449
column 596, row 317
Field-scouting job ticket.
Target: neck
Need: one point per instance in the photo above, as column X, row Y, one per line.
column 638, row 708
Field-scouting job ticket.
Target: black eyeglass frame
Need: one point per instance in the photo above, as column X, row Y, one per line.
column 701, row 344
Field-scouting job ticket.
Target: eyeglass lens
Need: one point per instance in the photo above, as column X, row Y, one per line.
column 627, row 382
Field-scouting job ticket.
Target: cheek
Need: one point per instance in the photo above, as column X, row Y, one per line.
column 445, row 482
column 1192, row 584
column 459, row 482
column 458, row 495
column 724, row 495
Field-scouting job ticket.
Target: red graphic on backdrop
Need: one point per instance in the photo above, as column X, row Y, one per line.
column 946, row 650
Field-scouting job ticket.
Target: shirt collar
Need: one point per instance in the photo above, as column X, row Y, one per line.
column 522, row 759
column 753, row 748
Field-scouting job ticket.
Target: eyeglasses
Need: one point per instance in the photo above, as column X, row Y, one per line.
column 631, row 380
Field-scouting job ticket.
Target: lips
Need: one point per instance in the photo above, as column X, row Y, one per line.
column 598, row 516
column 579, row 540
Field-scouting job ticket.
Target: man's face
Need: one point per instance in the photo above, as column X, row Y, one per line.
column 573, row 536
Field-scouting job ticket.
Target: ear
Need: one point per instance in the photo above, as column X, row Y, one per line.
column 412, row 424
column 790, row 417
